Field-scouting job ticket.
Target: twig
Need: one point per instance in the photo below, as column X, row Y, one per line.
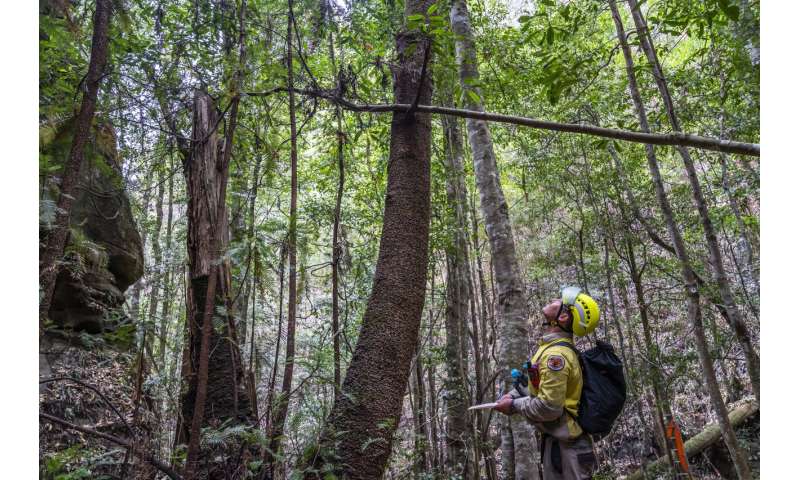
column 421, row 81
column 95, row 390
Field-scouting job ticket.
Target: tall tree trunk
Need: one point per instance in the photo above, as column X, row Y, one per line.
column 214, row 391
column 651, row 352
column 255, row 276
column 158, row 262
column 485, row 443
column 421, row 445
column 336, row 249
column 252, row 255
column 136, row 289
column 282, row 406
column 689, row 279
column 517, row 434
column 369, row 404
column 207, row 182
column 437, row 455
column 433, row 408
column 53, row 250
column 457, row 311
column 166, row 306
column 752, row 270
column 734, row 316
column 278, row 338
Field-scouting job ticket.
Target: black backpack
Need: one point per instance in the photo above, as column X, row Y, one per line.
column 604, row 392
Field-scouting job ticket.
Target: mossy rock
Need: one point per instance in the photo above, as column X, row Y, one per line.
column 104, row 252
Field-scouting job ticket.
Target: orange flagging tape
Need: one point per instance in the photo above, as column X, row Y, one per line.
column 674, row 433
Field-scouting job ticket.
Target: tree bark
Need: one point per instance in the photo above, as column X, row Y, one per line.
column 158, row 263
column 422, row 461
column 517, row 434
column 166, row 306
column 336, row 249
column 456, row 395
column 689, row 280
column 369, row 404
column 57, row 239
column 278, row 337
column 215, row 390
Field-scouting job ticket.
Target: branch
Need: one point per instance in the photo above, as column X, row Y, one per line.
column 95, row 390
column 421, row 81
column 119, row 441
column 675, row 139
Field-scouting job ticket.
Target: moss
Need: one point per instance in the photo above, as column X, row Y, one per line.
column 90, row 255
column 101, row 155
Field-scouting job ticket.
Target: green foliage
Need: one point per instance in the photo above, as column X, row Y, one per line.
column 568, row 204
column 67, row 464
column 122, row 336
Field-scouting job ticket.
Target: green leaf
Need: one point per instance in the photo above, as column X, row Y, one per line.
column 554, row 94
column 730, row 11
column 550, row 35
column 433, row 8
column 474, row 97
column 565, row 12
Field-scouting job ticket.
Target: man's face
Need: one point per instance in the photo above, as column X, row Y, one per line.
column 551, row 309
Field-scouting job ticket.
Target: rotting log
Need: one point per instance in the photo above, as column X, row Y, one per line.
column 706, row 438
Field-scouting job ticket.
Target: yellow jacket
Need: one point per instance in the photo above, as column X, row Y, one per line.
column 556, row 392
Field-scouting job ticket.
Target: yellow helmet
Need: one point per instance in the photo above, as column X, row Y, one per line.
column 584, row 310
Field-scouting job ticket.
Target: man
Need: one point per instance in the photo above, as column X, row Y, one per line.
column 555, row 383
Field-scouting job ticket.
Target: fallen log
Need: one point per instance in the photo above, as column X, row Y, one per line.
column 709, row 436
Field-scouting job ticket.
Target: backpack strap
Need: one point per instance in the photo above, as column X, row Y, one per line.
column 563, row 344
column 572, row 347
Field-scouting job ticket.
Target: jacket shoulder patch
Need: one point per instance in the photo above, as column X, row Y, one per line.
column 555, row 362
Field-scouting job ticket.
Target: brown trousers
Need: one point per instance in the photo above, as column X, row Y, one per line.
column 568, row 460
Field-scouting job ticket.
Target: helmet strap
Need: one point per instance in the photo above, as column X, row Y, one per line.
column 567, row 329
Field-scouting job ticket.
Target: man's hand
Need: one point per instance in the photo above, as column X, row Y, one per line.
column 505, row 405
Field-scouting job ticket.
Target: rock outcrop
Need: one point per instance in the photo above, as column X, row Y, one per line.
column 104, row 254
